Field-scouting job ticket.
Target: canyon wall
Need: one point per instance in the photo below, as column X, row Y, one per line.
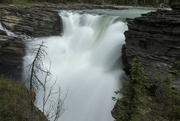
column 31, row 21
column 34, row 21
column 155, row 39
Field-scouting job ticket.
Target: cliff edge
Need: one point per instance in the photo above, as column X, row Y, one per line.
column 32, row 21
column 155, row 39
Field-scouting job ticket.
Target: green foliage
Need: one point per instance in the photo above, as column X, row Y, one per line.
column 174, row 112
column 176, row 65
column 164, row 90
column 133, row 104
column 14, row 103
column 168, row 97
column 20, row 2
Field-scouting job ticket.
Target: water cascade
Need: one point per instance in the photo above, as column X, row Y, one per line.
column 12, row 34
column 86, row 60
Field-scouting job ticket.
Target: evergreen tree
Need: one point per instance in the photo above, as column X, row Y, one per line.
column 133, row 103
column 168, row 97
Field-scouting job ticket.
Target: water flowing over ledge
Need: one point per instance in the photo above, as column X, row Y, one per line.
column 86, row 59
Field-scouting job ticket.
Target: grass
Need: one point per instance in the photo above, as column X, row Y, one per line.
column 15, row 102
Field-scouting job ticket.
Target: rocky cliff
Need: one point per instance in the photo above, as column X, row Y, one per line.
column 31, row 21
column 155, row 39
column 11, row 52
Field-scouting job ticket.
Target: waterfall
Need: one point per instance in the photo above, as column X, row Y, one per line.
column 86, row 60
column 9, row 33
column 12, row 34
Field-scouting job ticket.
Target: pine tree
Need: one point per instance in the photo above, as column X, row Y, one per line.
column 133, row 103
column 167, row 96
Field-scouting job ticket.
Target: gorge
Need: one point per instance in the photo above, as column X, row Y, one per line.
column 85, row 58
column 97, row 60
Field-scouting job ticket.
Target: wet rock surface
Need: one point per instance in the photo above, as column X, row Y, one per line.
column 11, row 52
column 155, row 39
column 32, row 21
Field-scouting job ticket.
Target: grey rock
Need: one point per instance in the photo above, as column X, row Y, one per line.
column 2, row 32
column 155, row 39
column 11, row 52
column 33, row 21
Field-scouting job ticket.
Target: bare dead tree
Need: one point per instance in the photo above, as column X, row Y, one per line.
column 56, row 106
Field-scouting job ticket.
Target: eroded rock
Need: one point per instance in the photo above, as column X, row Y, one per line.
column 155, row 39
column 11, row 52
column 32, row 21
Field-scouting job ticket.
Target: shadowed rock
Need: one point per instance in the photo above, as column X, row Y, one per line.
column 155, row 39
column 32, row 21
column 11, row 52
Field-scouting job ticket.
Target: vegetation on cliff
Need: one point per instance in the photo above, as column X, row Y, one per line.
column 14, row 102
column 167, row 99
column 135, row 105
column 18, row 103
column 53, row 108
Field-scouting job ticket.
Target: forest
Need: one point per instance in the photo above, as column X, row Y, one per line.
column 99, row 2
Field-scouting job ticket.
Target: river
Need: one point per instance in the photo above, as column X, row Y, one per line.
column 86, row 60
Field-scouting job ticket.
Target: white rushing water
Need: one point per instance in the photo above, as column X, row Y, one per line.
column 10, row 33
column 86, row 59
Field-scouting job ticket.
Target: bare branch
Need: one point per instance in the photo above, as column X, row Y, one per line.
column 56, row 106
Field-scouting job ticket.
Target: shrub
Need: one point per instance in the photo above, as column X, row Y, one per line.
column 133, row 104
column 174, row 112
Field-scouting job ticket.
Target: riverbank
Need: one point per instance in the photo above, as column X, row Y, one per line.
column 21, row 20
column 154, row 38
column 77, row 6
column 34, row 20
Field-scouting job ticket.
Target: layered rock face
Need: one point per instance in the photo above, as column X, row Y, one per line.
column 32, row 21
column 155, row 39
column 11, row 52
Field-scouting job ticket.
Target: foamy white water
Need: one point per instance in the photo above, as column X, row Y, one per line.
column 86, row 59
column 9, row 33
column 12, row 34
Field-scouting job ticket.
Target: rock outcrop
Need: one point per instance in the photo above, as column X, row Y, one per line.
column 11, row 52
column 32, row 21
column 155, row 39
